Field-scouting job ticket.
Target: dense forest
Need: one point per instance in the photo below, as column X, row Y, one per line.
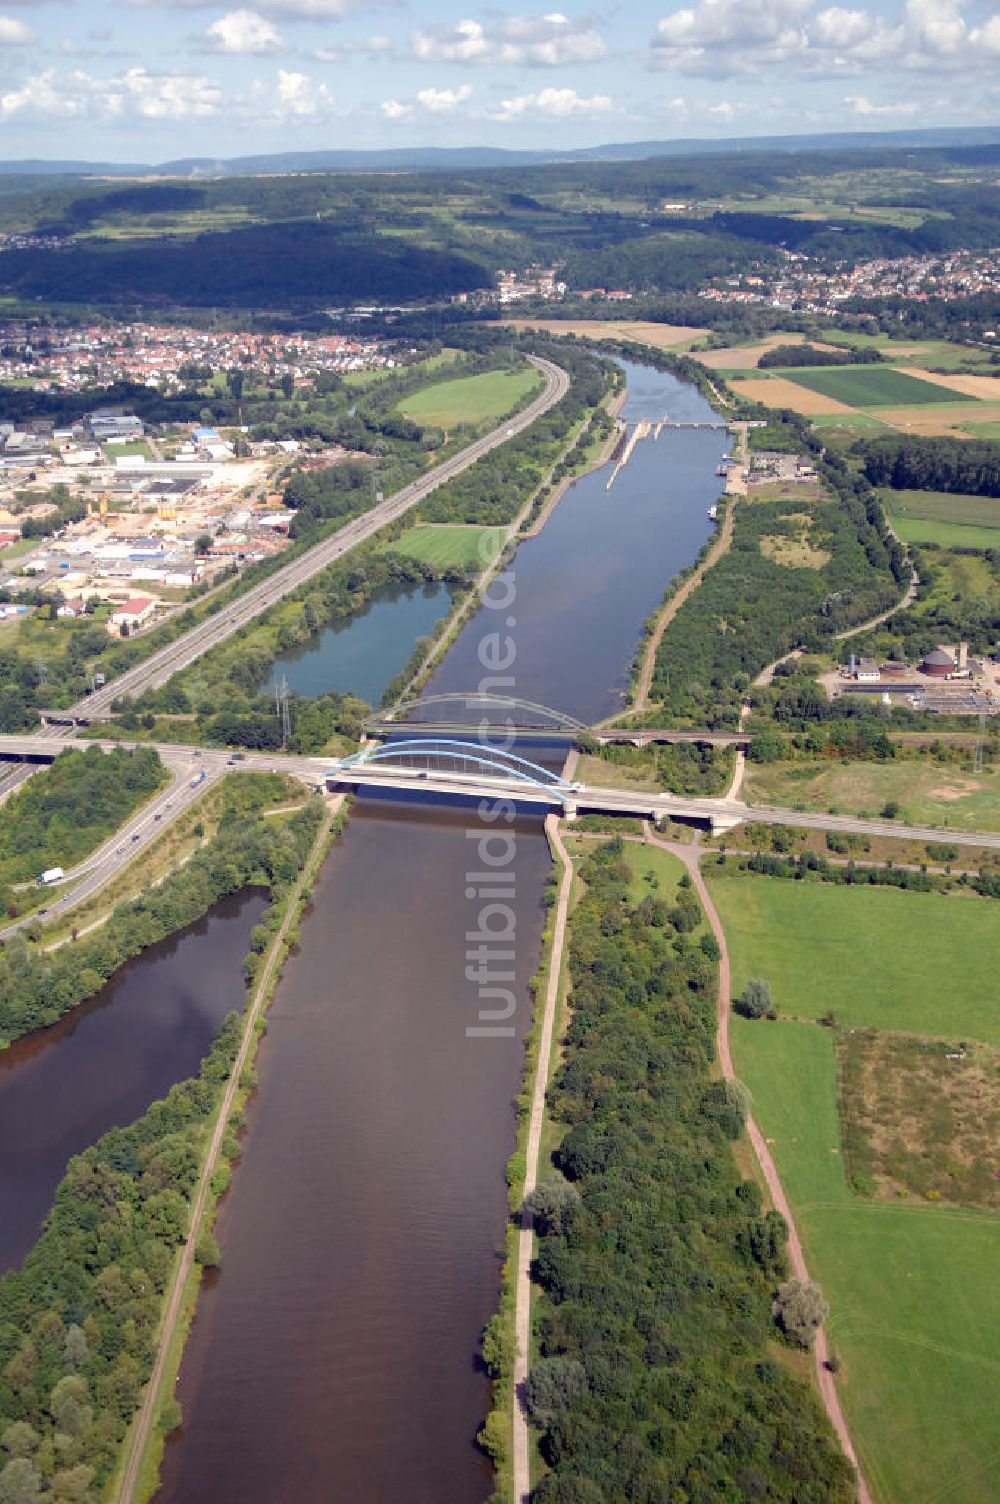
column 657, row 1263
column 67, row 810
column 907, row 462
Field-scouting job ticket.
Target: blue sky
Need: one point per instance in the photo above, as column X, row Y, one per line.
column 146, row 80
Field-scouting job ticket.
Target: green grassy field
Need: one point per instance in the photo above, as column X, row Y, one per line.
column 471, row 399
column 927, row 794
column 853, row 422
column 944, row 506
column 944, row 534
column 915, row 1305
column 877, row 956
column 444, row 543
column 870, row 386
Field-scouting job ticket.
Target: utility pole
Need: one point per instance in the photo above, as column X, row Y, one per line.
column 281, row 710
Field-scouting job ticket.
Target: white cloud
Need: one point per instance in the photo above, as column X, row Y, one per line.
column 394, row 109
column 443, row 101
column 136, row 92
column 725, row 38
column 15, row 33
column 292, row 10
column 286, row 99
column 559, row 104
column 866, row 107
column 246, row 32
column 552, row 41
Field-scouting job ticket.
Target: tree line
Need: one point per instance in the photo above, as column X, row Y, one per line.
column 911, row 463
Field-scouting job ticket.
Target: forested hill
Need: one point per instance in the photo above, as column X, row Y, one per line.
column 276, row 265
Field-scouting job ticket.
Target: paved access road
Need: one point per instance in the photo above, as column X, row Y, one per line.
column 161, row 666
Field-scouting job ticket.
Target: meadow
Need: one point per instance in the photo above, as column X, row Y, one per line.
column 915, row 1306
column 949, row 519
column 471, row 399
column 445, row 543
column 880, row 957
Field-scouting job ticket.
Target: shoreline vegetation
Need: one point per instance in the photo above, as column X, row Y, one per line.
column 109, row 1247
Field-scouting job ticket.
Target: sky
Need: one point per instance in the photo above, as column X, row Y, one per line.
column 150, row 80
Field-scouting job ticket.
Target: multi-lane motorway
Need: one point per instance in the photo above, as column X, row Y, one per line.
column 188, row 764
column 161, row 666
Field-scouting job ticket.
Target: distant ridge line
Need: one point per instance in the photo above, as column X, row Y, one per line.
column 445, row 158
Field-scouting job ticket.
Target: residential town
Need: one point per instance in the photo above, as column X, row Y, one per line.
column 802, row 285
column 61, row 358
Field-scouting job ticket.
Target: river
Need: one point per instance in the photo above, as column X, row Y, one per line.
column 333, row 1358
column 103, row 1063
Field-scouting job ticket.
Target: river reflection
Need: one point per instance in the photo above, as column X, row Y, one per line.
column 103, row 1064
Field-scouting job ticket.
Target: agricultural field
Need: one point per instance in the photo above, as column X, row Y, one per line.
column 926, row 793
column 659, row 336
column 446, row 543
column 471, row 399
column 915, row 1311
column 781, row 391
column 948, row 519
column 869, row 386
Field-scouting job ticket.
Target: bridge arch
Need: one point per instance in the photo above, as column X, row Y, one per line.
column 505, row 705
column 459, row 756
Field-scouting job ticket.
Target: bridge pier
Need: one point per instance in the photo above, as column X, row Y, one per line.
column 721, row 823
column 569, row 809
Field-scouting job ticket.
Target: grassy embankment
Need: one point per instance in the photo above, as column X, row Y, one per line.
column 915, row 1317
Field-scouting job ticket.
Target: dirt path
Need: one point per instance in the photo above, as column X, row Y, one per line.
column 522, row 1291
column 827, row 1387
column 136, row 1445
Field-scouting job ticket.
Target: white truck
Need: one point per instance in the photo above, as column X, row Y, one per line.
column 51, row 875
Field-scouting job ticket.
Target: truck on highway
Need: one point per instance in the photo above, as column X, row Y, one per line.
column 199, row 778
column 51, row 875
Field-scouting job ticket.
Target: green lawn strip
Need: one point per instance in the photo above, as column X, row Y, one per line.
column 448, row 543
column 915, row 1307
column 871, row 386
column 944, row 534
column 927, row 793
column 855, row 422
column 470, row 399
column 879, row 957
column 943, row 506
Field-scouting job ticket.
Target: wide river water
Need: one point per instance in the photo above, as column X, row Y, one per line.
column 103, row 1064
column 333, row 1358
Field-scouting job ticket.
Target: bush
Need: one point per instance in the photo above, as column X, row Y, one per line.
column 800, row 1310
column 756, row 1000
column 551, row 1205
column 553, row 1384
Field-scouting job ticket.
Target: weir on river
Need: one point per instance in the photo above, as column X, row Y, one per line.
column 333, row 1359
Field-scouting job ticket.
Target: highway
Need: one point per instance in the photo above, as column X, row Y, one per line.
column 162, row 665
column 324, row 773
